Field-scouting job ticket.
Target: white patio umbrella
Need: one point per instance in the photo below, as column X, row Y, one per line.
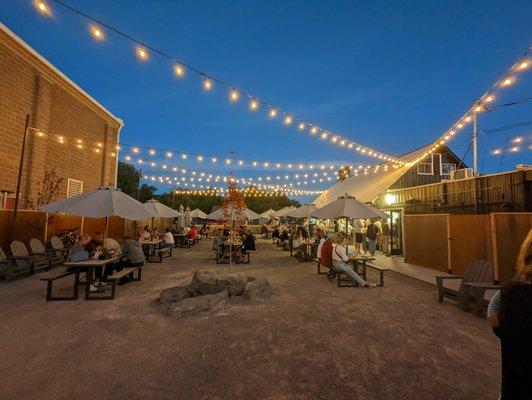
column 347, row 207
column 103, row 202
column 305, row 211
column 197, row 213
column 159, row 210
column 283, row 211
column 245, row 214
column 181, row 219
column 267, row 213
column 187, row 216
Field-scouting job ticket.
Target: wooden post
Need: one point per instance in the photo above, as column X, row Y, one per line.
column 493, row 227
column 449, row 240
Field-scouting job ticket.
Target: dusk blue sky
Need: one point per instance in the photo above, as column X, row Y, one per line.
column 392, row 75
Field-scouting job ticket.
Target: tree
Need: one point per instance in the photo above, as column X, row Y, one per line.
column 128, row 178
column 263, row 203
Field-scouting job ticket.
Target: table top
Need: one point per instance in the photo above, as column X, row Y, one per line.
column 150, row 242
column 180, row 234
column 91, row 263
column 362, row 258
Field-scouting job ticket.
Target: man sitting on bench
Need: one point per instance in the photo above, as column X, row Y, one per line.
column 325, row 250
column 168, row 239
column 132, row 250
column 340, row 259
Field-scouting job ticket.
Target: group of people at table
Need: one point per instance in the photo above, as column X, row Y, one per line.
column 241, row 241
column 332, row 249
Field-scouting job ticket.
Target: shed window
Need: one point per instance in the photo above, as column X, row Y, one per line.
column 426, row 168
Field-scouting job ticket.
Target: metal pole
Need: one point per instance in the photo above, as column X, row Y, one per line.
column 19, row 178
column 475, row 138
column 138, row 185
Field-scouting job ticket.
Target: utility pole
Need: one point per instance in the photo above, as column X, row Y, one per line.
column 19, row 178
column 475, row 150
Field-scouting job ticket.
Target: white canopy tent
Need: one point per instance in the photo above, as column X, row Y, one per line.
column 367, row 187
column 267, row 214
column 188, row 219
column 305, row 211
column 218, row 215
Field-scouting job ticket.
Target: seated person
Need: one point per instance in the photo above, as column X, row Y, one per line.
column 297, row 240
column 284, row 237
column 208, row 233
column 112, row 247
column 217, row 241
column 340, row 260
column 248, row 243
column 168, row 239
column 275, row 233
column 132, row 250
column 144, row 234
column 263, row 229
column 325, row 250
column 77, row 252
column 192, row 232
column 95, row 246
column 156, row 234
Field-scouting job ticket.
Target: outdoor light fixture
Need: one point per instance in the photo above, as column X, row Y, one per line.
column 234, row 96
column 253, row 105
column 273, row 113
column 390, row 198
column 288, row 120
column 207, row 84
column 179, row 70
column 97, row 32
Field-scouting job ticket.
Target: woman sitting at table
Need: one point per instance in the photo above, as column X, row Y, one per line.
column 168, row 239
column 192, row 232
column 248, row 242
column 341, row 259
column 144, row 234
column 132, row 251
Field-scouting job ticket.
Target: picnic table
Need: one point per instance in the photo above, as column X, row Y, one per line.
column 90, row 265
column 362, row 261
column 150, row 247
column 180, row 239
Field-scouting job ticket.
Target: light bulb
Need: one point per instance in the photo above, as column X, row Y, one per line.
column 273, row 113
column 234, row 96
column 142, row 53
column 96, row 32
column 288, row 120
column 207, row 84
column 253, row 105
column 179, row 70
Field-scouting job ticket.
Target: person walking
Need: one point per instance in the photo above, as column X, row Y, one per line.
column 371, row 233
column 510, row 314
column 358, row 228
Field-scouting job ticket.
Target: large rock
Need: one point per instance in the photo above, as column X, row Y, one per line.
column 258, row 289
column 205, row 282
column 233, row 283
column 173, row 294
column 196, row 305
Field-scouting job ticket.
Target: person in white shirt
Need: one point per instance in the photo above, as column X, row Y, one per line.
column 168, row 239
column 358, row 227
column 378, row 225
column 340, row 260
column 144, row 234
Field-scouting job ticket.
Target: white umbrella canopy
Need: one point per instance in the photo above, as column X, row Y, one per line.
column 283, row 211
column 305, row 211
column 267, row 213
column 197, row 213
column 218, row 215
column 347, row 207
column 99, row 203
column 188, row 220
column 159, row 210
column 181, row 219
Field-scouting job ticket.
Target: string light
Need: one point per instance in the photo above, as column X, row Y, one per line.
column 142, row 53
column 207, row 84
column 234, row 95
column 273, row 113
column 523, row 65
column 179, row 70
column 288, row 120
column 42, row 7
column 253, row 105
column 496, row 151
column 507, row 81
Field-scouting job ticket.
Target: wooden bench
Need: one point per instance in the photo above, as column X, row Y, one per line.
column 163, row 252
column 340, row 278
column 381, row 270
column 247, row 255
column 52, row 276
column 113, row 279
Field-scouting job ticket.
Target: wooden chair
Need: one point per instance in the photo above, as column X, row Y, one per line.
column 40, row 253
column 6, row 266
column 25, row 261
column 58, row 247
column 454, row 287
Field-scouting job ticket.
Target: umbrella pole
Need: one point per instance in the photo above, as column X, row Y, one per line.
column 106, row 228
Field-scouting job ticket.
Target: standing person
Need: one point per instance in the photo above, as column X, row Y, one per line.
column 386, row 237
column 358, row 227
column 510, row 313
column 371, row 234
column 340, row 259
column 378, row 224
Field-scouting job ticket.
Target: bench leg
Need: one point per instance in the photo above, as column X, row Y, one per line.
column 382, row 277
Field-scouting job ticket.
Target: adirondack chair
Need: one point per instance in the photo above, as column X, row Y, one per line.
column 40, row 253
column 26, row 261
column 6, row 267
column 58, row 247
column 454, row 287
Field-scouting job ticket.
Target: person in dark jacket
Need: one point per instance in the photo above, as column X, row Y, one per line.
column 512, row 323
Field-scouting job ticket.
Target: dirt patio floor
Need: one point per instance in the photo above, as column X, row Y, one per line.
column 312, row 340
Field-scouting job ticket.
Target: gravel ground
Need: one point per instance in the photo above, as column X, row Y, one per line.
column 312, row 340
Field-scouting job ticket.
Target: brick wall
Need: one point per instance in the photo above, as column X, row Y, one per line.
column 55, row 109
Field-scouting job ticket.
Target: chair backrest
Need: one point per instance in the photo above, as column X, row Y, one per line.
column 18, row 248
column 57, row 244
column 3, row 257
column 36, row 246
column 479, row 271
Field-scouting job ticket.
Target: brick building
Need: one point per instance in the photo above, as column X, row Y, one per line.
column 69, row 132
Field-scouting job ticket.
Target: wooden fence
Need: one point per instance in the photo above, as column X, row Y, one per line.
column 449, row 243
column 35, row 224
